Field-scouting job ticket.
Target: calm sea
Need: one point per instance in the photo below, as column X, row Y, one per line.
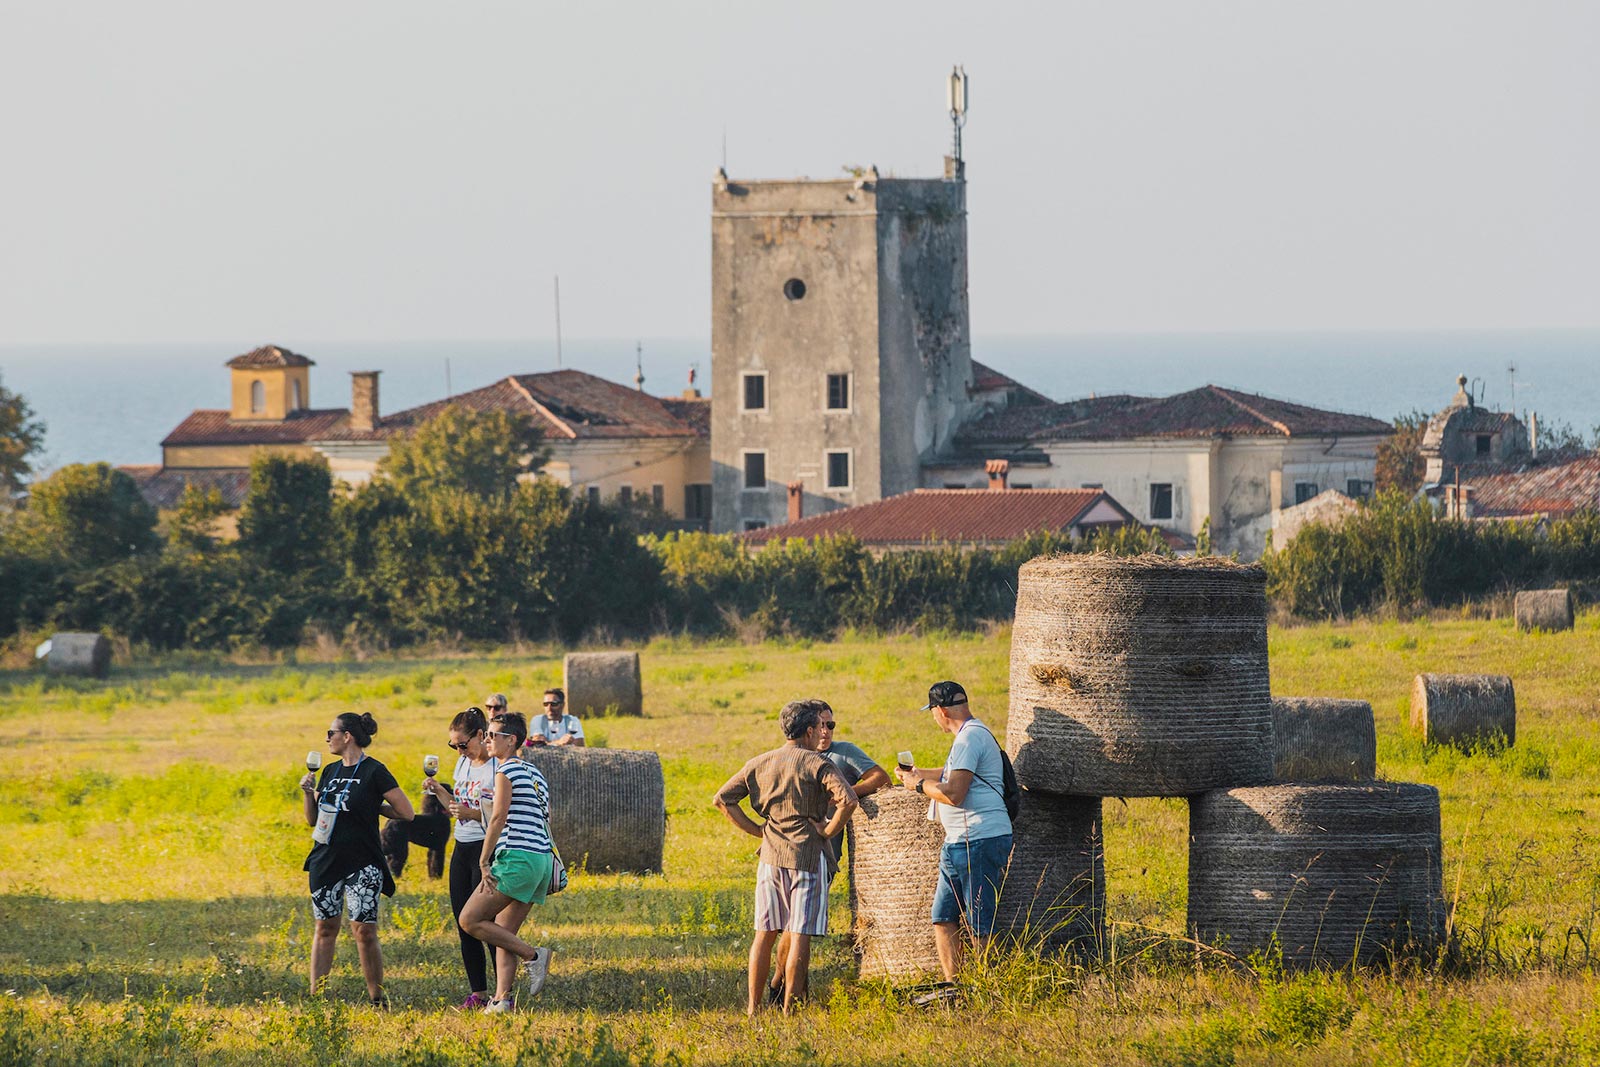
column 116, row 402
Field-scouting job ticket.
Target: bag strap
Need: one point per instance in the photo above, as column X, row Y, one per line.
column 997, row 792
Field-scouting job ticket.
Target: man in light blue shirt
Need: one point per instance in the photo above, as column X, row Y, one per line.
column 969, row 799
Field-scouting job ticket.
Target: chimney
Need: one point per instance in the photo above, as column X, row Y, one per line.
column 998, row 471
column 797, row 505
column 364, row 400
column 1533, row 433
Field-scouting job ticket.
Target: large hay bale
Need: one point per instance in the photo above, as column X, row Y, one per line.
column 1338, row 872
column 77, row 653
column 1322, row 739
column 608, row 809
column 1543, row 609
column 894, row 869
column 1139, row 676
column 1055, row 887
column 599, row 683
column 1464, row 709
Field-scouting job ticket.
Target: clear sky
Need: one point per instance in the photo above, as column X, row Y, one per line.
column 408, row 170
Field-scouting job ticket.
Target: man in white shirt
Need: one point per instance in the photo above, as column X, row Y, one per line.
column 555, row 726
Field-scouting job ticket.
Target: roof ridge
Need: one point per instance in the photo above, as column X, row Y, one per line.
column 1229, row 396
column 546, row 412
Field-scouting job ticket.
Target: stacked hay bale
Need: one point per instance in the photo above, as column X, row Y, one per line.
column 1464, row 710
column 1139, row 676
column 1322, row 739
column 79, row 653
column 1336, row 873
column 600, row 683
column 1053, row 897
column 1543, row 609
column 894, row 869
column 607, row 806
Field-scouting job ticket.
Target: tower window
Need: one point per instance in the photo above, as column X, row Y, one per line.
column 1485, row 443
column 755, row 392
column 794, row 289
column 755, row 470
column 1161, row 500
column 838, row 470
column 299, row 395
column 258, row 397
column 838, row 392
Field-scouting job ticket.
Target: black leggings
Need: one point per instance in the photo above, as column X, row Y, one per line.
column 464, row 878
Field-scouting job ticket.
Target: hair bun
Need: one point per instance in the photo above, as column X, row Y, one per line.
column 369, row 723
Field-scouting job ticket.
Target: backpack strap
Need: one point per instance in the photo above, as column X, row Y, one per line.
column 1001, row 793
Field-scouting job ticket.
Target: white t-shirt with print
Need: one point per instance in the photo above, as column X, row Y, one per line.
column 474, row 789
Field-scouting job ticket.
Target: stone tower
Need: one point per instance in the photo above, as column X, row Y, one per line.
column 840, row 352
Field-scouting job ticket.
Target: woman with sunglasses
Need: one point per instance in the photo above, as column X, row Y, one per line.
column 471, row 785
column 346, row 864
column 516, row 863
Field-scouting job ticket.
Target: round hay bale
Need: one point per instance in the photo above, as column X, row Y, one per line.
column 1464, row 709
column 77, row 653
column 894, row 869
column 1139, row 676
column 1055, row 887
column 1322, row 739
column 603, row 683
column 1543, row 609
column 608, row 809
column 1338, row 872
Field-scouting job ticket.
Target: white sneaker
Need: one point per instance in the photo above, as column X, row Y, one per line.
column 500, row 1007
column 538, row 969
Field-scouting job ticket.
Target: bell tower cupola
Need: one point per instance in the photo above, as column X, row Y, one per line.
column 270, row 384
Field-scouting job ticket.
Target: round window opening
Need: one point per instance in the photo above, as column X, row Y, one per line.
column 794, row 289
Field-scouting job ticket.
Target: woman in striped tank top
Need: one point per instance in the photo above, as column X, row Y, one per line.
column 516, row 863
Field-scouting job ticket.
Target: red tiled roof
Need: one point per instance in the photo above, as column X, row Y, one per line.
column 694, row 412
column 985, row 379
column 269, row 356
column 959, row 515
column 1210, row 411
column 219, row 428
column 1554, row 484
column 163, row 487
column 565, row 404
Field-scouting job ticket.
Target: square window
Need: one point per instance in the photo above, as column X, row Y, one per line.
column 754, row 524
column 1304, row 491
column 838, row 392
column 1485, row 443
column 1161, row 500
column 1357, row 489
column 1091, row 485
column 838, row 470
column 755, row 470
column 755, row 392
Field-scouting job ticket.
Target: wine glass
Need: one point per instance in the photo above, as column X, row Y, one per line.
column 430, row 765
column 905, row 761
column 313, row 762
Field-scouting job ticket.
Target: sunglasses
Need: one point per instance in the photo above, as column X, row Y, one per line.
column 495, row 735
column 462, row 747
column 495, row 707
column 332, row 732
column 827, row 725
column 552, row 703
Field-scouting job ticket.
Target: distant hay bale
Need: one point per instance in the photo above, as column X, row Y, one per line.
column 608, row 809
column 1338, row 872
column 1054, row 893
column 599, row 683
column 1321, row 739
column 1139, row 676
column 79, row 653
column 1464, row 709
column 894, row 869
column 1543, row 609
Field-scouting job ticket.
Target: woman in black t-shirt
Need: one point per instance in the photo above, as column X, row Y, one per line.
column 346, row 862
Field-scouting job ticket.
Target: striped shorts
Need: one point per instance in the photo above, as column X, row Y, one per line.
column 796, row 901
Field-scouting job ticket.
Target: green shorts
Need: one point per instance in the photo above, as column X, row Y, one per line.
column 522, row 875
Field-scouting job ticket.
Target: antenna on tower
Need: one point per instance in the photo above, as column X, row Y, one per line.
column 638, row 365
column 956, row 98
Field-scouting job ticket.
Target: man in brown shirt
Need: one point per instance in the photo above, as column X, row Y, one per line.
column 791, row 788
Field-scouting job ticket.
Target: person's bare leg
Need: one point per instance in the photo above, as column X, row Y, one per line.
column 947, row 938
column 478, row 919
column 796, row 975
column 366, row 935
column 505, row 965
column 780, row 960
column 323, row 940
column 760, row 968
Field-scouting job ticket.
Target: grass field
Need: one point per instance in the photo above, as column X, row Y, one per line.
column 152, row 907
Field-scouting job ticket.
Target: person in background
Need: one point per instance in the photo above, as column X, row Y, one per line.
column 791, row 788
column 864, row 778
column 969, row 799
column 516, row 864
column 346, row 863
column 555, row 726
column 470, row 786
column 495, row 704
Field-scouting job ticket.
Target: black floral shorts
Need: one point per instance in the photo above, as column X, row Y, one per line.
column 357, row 892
